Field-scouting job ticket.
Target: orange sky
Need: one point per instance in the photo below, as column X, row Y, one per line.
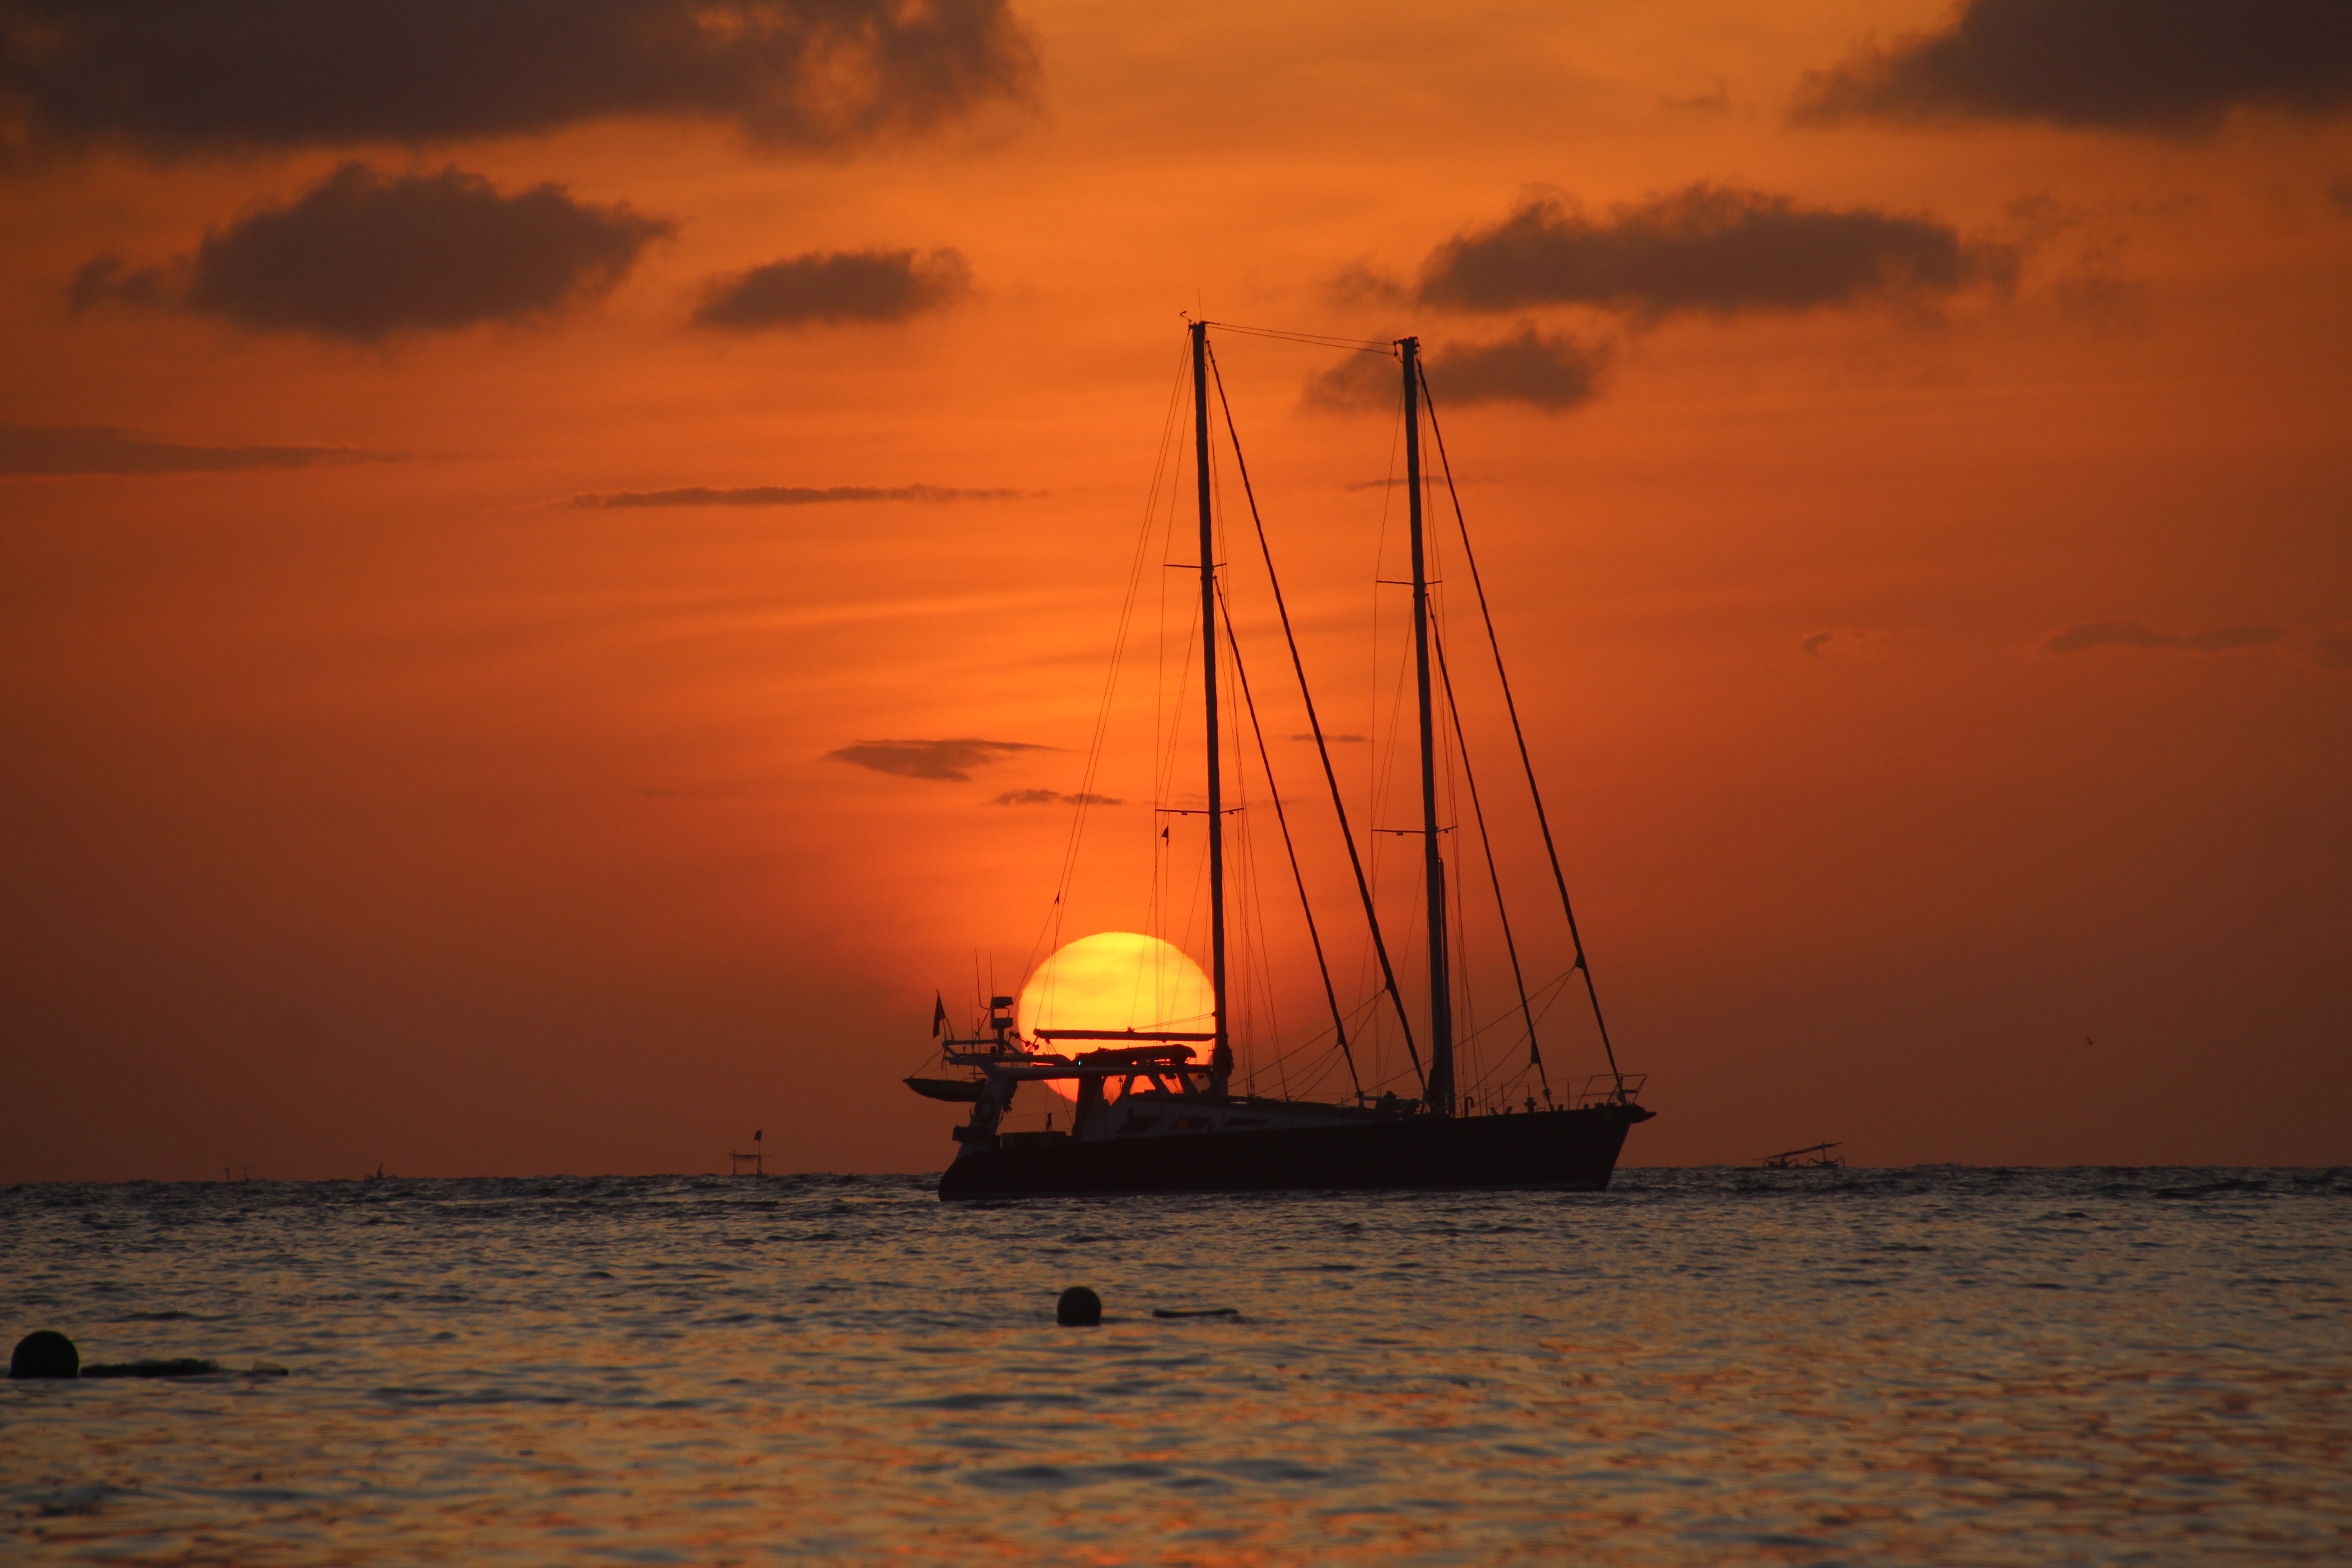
column 389, row 809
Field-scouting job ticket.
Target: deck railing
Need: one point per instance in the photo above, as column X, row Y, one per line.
column 1603, row 1089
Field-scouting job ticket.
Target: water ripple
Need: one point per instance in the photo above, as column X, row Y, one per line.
column 1708, row 1367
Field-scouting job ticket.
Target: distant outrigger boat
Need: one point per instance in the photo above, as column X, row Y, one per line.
column 1794, row 1159
column 1175, row 1124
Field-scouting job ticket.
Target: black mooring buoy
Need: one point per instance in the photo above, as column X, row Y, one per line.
column 1079, row 1308
column 45, row 1352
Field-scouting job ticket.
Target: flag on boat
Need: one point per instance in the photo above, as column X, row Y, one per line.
column 939, row 1014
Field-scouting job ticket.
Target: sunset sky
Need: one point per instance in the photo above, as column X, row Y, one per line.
column 499, row 501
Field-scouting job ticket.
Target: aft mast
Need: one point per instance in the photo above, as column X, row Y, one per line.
column 1441, row 990
column 1221, row 1056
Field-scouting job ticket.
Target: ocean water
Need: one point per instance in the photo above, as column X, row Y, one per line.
column 1712, row 1366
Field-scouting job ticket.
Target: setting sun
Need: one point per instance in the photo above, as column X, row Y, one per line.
column 1115, row 980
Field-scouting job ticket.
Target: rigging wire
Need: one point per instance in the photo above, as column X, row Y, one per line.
column 1322, row 748
column 1494, row 876
column 1053, row 922
column 1282, row 818
column 1387, row 754
column 1360, row 345
column 1545, row 993
column 1518, row 733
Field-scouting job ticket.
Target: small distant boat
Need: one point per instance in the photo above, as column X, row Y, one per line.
column 1794, row 1159
column 1152, row 1116
column 756, row 1159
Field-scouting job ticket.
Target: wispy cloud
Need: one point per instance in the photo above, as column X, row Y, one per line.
column 1848, row 642
column 833, row 288
column 1548, row 370
column 1463, row 482
column 2137, row 633
column 1715, row 99
column 1052, row 798
column 949, row 760
column 2128, row 65
column 107, row 449
column 783, row 495
column 1551, row 371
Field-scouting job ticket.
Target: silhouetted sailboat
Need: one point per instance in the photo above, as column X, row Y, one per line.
column 1175, row 1124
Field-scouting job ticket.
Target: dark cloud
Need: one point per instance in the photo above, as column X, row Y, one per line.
column 1050, row 797
column 2135, row 634
column 2134, row 65
column 948, row 760
column 783, row 495
column 362, row 255
column 174, row 79
column 1716, row 249
column 104, row 449
column 1554, row 374
column 828, row 287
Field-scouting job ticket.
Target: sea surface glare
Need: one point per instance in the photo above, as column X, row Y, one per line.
column 1720, row 1367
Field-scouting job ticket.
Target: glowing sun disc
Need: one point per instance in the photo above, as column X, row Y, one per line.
column 1115, row 980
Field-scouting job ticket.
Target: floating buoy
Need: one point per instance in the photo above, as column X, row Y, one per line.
column 45, row 1352
column 1079, row 1308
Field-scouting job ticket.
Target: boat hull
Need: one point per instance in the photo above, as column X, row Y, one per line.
column 1558, row 1150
